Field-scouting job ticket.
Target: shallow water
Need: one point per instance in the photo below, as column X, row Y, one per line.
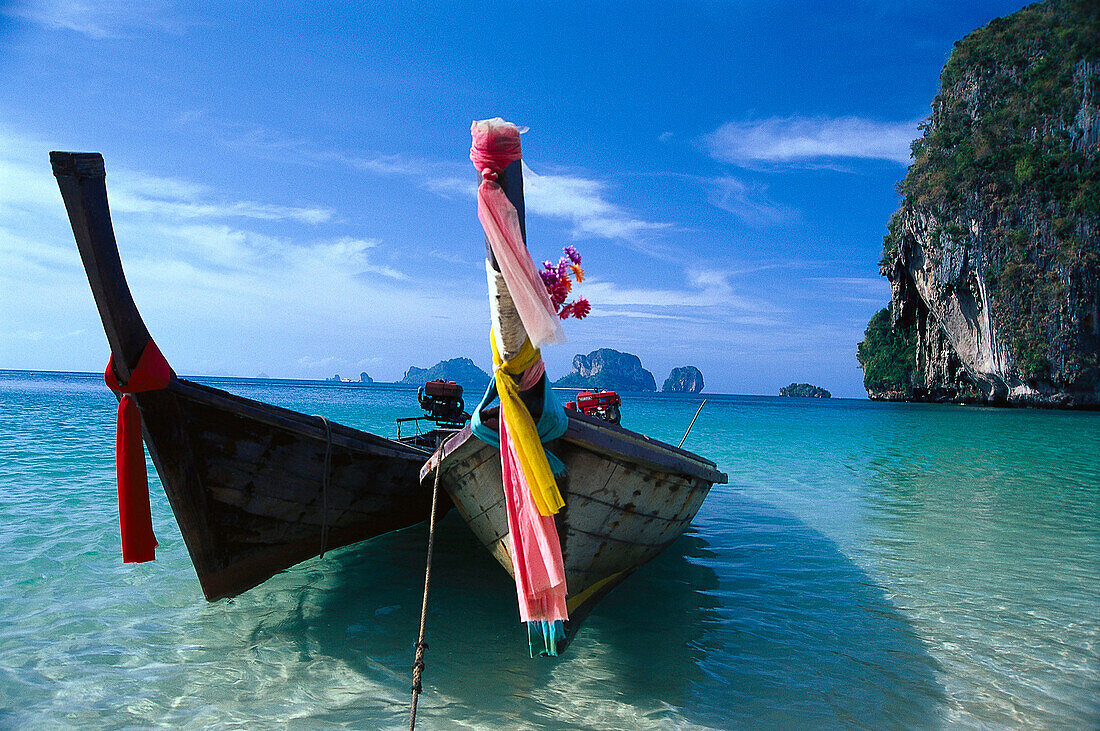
column 869, row 564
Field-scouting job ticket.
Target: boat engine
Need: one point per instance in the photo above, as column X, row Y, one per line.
column 601, row 404
column 442, row 400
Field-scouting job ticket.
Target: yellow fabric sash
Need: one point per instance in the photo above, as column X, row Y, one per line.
column 522, row 432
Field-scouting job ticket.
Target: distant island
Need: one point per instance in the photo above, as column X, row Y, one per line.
column 363, row 378
column 687, row 379
column 804, row 390
column 993, row 255
column 608, row 369
column 462, row 371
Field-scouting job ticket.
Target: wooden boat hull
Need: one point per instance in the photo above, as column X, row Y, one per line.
column 247, row 481
column 626, row 496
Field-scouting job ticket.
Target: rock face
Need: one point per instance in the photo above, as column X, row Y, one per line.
column 687, row 379
column 608, row 369
column 364, row 378
column 804, row 390
column 460, row 370
column 993, row 257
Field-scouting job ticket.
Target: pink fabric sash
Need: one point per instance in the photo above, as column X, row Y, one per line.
column 495, row 145
column 536, row 550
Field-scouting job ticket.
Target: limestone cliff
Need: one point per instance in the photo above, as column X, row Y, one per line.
column 608, row 369
column 687, row 379
column 460, row 370
column 993, row 255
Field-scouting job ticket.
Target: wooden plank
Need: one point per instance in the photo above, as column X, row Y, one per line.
column 81, row 179
column 296, row 423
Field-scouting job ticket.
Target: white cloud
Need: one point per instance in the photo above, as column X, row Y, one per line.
column 747, row 202
column 582, row 201
column 864, row 290
column 133, row 192
column 212, row 285
column 637, row 314
column 98, row 19
column 804, row 139
column 705, row 289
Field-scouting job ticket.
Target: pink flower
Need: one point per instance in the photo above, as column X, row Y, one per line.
column 558, row 292
column 556, row 278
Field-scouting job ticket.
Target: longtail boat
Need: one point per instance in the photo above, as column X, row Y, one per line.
column 626, row 496
column 254, row 487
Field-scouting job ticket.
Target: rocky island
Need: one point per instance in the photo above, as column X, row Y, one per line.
column 462, row 371
column 608, row 369
column 804, row 390
column 686, row 379
column 993, row 257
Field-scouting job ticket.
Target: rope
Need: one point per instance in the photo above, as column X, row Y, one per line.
column 507, row 327
column 324, row 484
column 421, row 645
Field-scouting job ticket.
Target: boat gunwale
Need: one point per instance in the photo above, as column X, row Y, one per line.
column 614, row 441
column 294, row 421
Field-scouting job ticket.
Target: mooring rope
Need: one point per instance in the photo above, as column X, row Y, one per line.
column 421, row 645
column 324, row 484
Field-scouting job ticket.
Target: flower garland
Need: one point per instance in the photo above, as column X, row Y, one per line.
column 559, row 285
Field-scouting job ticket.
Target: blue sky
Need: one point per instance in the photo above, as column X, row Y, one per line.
column 292, row 194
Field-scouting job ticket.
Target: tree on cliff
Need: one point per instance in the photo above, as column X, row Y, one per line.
column 887, row 357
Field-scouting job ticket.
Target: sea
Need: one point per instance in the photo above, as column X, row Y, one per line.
column 869, row 565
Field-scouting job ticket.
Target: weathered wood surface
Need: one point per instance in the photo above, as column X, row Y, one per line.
column 245, row 479
column 250, row 496
column 626, row 496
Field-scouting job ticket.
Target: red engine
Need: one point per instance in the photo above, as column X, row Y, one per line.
column 601, row 404
column 443, row 401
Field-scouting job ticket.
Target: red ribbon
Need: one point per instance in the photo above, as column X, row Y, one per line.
column 136, row 523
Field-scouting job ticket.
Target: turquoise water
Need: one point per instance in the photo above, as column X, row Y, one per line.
column 882, row 565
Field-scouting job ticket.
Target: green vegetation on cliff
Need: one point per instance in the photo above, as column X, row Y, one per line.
column 997, row 235
column 887, row 356
column 1004, row 116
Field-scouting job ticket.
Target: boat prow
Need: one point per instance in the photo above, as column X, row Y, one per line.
column 255, row 488
column 627, row 497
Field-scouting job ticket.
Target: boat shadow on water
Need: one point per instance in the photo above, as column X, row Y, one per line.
column 752, row 617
